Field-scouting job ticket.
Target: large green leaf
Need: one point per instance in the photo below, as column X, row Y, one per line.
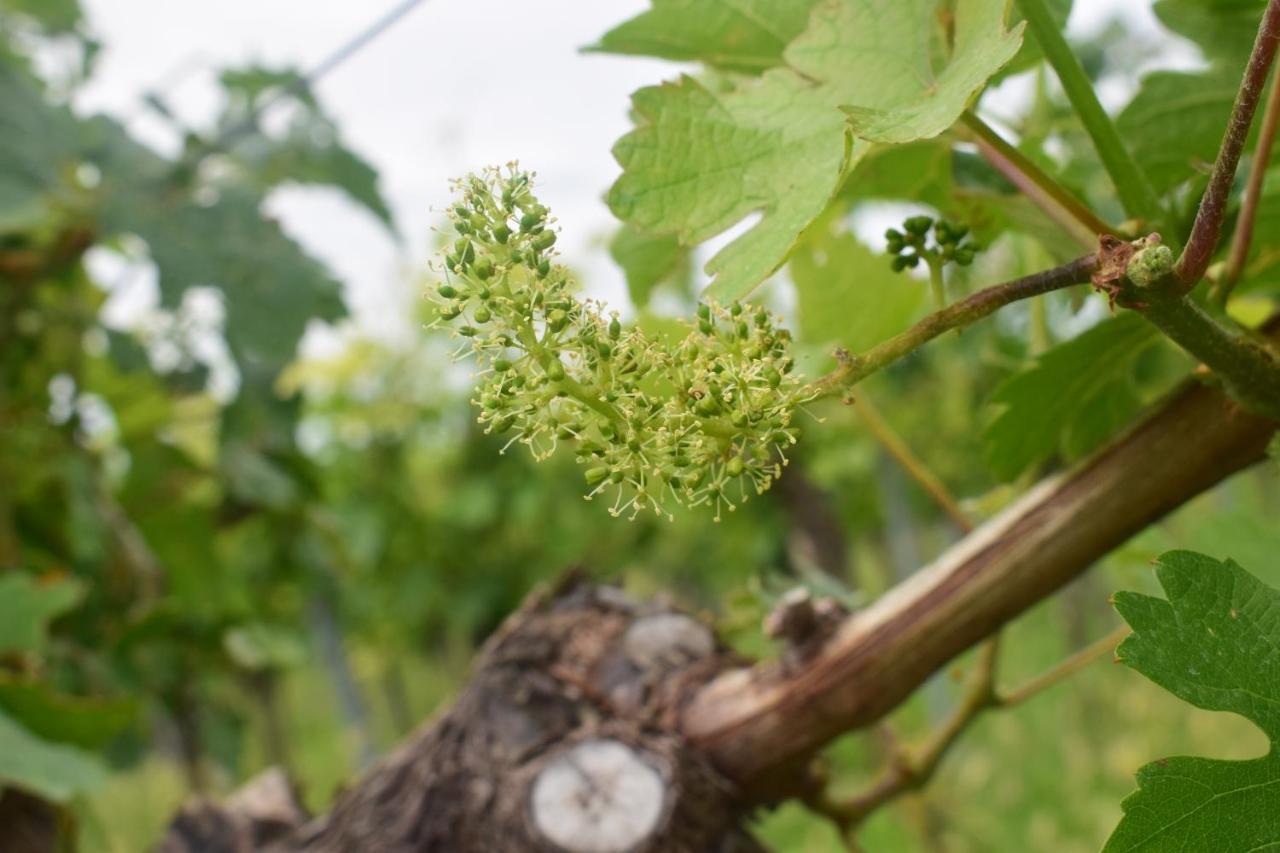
column 47, row 770
column 1174, row 123
column 27, row 606
column 1069, row 400
column 848, row 295
column 916, row 97
column 737, row 35
column 1216, row 644
column 703, row 158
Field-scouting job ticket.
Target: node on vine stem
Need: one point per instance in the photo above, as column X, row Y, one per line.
column 701, row 421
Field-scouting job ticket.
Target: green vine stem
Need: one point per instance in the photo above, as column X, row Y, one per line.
column 1249, row 373
column 911, row 769
column 1055, row 200
column 855, row 368
column 1132, row 185
column 902, row 453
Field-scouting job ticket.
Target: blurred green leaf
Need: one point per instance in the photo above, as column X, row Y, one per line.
column 848, row 295
column 55, row 17
column 47, row 770
column 737, row 35
column 1224, row 29
column 1174, row 123
column 647, row 260
column 1215, row 643
column 258, row 647
column 1070, row 399
column 28, row 605
column 700, row 159
column 308, row 151
column 89, row 723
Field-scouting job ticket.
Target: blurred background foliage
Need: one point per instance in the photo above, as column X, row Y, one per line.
column 216, row 555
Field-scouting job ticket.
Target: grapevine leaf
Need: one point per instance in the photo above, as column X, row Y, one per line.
column 48, row 770
column 1224, row 29
column 847, row 294
column 647, row 260
column 1215, row 643
column 309, row 149
column 736, row 35
column 27, row 606
column 699, row 162
column 701, row 159
column 90, row 723
column 925, row 101
column 1070, row 400
column 1174, row 123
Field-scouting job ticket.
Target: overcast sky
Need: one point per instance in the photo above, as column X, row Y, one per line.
column 455, row 85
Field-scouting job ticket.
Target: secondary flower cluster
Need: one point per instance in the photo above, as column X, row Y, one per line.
column 703, row 421
column 910, row 245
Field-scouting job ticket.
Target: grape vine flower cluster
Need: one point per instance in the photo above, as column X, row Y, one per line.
column 910, row 244
column 702, row 421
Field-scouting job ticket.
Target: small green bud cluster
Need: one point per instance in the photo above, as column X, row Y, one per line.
column 1150, row 264
column 910, row 245
column 655, row 423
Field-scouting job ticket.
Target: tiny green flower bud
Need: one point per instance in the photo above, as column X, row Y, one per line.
column 704, row 311
column 501, row 365
column 615, row 328
column 544, row 241
column 555, row 371
column 544, row 267
column 501, row 233
column 918, row 225
column 482, row 315
column 707, row 406
column 734, row 466
column 467, row 331
column 483, row 268
column 503, row 424
column 596, row 475
column 529, row 221
column 604, row 349
column 447, row 291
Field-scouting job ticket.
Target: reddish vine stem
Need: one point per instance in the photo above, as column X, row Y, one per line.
column 1050, row 196
column 1213, row 206
column 1243, row 235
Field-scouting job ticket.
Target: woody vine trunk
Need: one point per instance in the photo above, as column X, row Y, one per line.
column 590, row 710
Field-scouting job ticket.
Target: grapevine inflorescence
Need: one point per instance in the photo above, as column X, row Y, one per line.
column 702, row 421
column 909, row 245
